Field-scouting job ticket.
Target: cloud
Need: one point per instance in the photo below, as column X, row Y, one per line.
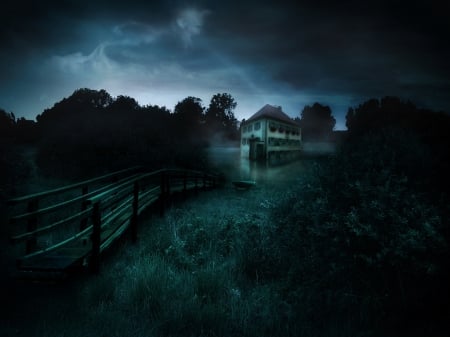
column 76, row 63
column 287, row 53
column 189, row 23
column 135, row 32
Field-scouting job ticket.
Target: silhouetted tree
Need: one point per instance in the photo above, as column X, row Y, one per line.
column 376, row 114
column 188, row 117
column 123, row 103
column 26, row 131
column 220, row 119
column 317, row 122
column 431, row 129
column 92, row 133
column 189, row 110
column 7, row 123
column 81, row 104
column 13, row 166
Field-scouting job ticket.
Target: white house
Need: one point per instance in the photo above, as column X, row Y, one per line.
column 270, row 135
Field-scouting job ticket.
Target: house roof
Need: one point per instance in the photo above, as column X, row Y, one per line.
column 272, row 112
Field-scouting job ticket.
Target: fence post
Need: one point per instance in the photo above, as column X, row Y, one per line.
column 84, row 205
column 196, row 183
column 162, row 196
column 167, row 184
column 96, row 237
column 134, row 219
column 31, row 244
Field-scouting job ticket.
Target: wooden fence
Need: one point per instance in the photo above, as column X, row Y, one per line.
column 71, row 226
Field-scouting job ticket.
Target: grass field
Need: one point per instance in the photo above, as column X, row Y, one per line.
column 194, row 272
column 287, row 257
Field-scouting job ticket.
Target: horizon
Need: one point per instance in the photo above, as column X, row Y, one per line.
column 285, row 53
column 340, row 118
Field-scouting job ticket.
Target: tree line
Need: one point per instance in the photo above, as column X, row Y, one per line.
column 361, row 246
column 91, row 132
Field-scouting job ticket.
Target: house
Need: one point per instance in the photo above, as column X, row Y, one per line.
column 270, row 135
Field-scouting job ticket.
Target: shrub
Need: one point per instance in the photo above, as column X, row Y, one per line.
column 362, row 242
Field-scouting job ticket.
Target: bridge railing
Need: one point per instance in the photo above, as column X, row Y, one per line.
column 42, row 213
column 97, row 210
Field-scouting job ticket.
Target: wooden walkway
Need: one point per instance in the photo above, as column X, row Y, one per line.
column 70, row 227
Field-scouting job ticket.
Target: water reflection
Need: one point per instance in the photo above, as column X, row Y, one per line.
column 228, row 160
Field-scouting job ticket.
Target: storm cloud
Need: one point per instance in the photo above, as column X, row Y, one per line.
column 288, row 53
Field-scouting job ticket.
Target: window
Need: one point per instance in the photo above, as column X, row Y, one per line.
column 257, row 126
column 244, row 141
column 273, row 127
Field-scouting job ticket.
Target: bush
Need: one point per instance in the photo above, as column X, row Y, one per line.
column 362, row 242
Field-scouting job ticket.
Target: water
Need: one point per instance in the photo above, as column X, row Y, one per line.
column 228, row 160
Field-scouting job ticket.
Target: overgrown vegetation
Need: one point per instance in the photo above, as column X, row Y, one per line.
column 13, row 166
column 361, row 247
column 91, row 133
column 352, row 245
column 364, row 244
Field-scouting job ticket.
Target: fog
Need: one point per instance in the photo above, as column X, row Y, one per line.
column 228, row 160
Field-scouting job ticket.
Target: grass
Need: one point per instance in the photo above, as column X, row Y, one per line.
column 187, row 276
column 223, row 263
column 191, row 274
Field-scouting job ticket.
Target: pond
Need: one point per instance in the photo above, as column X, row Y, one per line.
column 228, row 160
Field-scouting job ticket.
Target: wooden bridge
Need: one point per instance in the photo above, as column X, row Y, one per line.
column 68, row 228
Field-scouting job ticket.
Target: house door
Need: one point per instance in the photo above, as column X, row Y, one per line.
column 256, row 149
column 260, row 151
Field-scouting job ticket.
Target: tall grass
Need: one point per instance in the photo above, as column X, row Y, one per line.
column 194, row 273
column 282, row 259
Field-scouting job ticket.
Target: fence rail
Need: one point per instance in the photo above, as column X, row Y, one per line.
column 71, row 226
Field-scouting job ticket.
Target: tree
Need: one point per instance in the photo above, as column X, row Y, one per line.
column 123, row 104
column 220, row 117
column 390, row 111
column 189, row 112
column 26, row 131
column 430, row 127
column 7, row 123
column 187, row 119
column 317, row 122
column 83, row 103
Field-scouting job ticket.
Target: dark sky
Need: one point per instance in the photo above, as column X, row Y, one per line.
column 287, row 53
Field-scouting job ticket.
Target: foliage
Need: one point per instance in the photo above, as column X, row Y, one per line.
column 189, row 117
column 7, row 121
column 91, row 133
column 187, row 277
column 354, row 245
column 364, row 241
column 220, row 119
column 317, row 122
column 430, row 128
column 13, row 166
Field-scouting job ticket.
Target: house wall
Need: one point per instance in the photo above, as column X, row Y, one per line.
column 283, row 137
column 252, row 131
column 276, row 136
column 284, row 142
